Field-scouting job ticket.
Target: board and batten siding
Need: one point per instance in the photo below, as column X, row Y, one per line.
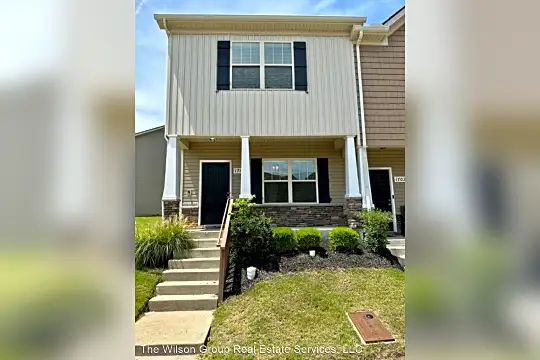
column 383, row 81
column 266, row 150
column 395, row 159
column 196, row 108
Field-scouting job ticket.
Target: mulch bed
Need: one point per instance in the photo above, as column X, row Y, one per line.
column 323, row 260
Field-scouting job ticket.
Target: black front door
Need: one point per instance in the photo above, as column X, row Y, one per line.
column 215, row 185
column 380, row 192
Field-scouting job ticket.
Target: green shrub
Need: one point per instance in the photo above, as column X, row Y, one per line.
column 375, row 229
column 308, row 238
column 158, row 242
column 284, row 240
column 343, row 239
column 251, row 234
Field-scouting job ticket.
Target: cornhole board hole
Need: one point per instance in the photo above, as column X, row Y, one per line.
column 369, row 328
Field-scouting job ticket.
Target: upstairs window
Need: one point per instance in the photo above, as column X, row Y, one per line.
column 246, row 65
column 278, row 71
column 262, row 65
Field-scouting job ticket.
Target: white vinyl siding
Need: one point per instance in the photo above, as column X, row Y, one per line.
column 196, row 108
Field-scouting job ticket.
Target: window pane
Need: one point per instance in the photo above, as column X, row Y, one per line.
column 277, row 53
column 304, row 192
column 276, row 192
column 246, row 77
column 245, row 53
column 278, row 77
column 303, row 170
column 276, row 170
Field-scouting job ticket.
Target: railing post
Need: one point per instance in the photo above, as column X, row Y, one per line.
column 223, row 243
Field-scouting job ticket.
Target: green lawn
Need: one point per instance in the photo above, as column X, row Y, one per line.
column 145, row 280
column 145, row 284
column 141, row 221
column 308, row 309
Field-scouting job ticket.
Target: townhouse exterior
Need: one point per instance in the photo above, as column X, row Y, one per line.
column 304, row 112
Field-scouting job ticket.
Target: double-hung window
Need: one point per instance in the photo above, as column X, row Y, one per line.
column 262, row 65
column 290, row 181
column 246, row 65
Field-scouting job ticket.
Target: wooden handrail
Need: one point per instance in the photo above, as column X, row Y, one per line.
column 224, row 229
column 223, row 244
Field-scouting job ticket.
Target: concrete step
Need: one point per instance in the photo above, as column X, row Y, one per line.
column 197, row 263
column 209, row 252
column 204, row 234
column 396, row 241
column 401, row 260
column 397, row 251
column 211, row 274
column 187, row 287
column 188, row 329
column 205, row 243
column 183, row 302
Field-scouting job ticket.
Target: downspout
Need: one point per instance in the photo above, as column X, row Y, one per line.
column 364, row 177
column 361, row 90
column 358, row 132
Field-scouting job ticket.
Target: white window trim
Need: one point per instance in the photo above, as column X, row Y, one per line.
column 261, row 65
column 290, row 181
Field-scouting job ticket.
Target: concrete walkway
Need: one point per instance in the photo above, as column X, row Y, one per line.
column 182, row 310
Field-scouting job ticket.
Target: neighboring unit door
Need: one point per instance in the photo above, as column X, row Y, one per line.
column 215, row 187
column 380, row 191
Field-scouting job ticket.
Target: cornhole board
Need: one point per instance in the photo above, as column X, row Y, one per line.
column 369, row 328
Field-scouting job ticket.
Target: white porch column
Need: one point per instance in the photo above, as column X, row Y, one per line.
column 245, row 175
column 172, row 175
column 352, row 188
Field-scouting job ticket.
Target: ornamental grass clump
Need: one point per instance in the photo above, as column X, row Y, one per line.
column 159, row 242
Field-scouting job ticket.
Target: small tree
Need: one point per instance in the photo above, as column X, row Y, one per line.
column 251, row 234
column 375, row 228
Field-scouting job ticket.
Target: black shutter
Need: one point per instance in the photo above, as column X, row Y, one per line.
column 323, row 180
column 300, row 66
column 223, row 65
column 256, row 179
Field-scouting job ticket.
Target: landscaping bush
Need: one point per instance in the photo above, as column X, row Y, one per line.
column 308, row 238
column 375, row 229
column 251, row 234
column 284, row 240
column 343, row 239
column 158, row 242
